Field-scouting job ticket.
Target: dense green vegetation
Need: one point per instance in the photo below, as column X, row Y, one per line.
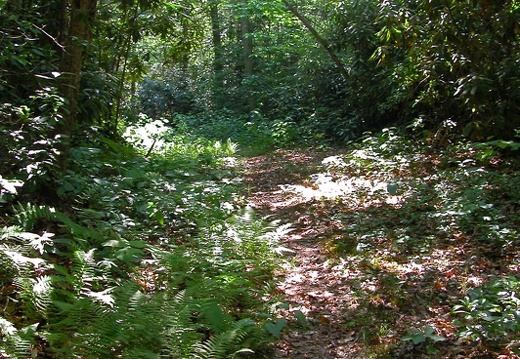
column 120, row 243
column 152, row 256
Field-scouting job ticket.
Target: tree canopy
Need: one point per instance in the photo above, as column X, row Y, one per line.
column 336, row 68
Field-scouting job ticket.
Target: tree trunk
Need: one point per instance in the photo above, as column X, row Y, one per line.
column 324, row 43
column 216, row 36
column 218, row 53
column 78, row 35
column 247, row 43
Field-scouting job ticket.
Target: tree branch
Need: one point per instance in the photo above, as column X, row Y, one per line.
column 324, row 43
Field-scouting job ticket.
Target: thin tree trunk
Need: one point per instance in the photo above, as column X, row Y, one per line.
column 324, row 43
column 78, row 34
column 218, row 53
column 247, row 43
column 216, row 36
column 123, row 58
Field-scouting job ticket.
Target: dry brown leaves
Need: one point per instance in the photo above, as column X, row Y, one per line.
column 357, row 307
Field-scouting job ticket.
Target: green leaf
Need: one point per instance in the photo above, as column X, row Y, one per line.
column 44, row 77
column 392, row 188
column 418, row 339
column 62, row 306
column 115, row 243
column 283, row 305
column 129, row 254
column 276, row 328
column 300, row 317
column 428, row 330
column 216, row 318
column 415, row 338
column 244, row 351
column 138, row 244
column 436, row 338
column 10, row 185
column 101, row 182
column 160, row 218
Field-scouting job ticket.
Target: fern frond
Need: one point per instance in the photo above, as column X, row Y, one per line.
column 141, row 353
column 71, row 328
column 7, row 328
column 16, row 344
column 226, row 344
column 8, row 268
column 41, row 292
column 215, row 317
column 9, row 232
column 28, row 215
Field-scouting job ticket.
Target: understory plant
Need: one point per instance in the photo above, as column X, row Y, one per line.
column 151, row 258
column 253, row 133
column 444, row 220
column 490, row 313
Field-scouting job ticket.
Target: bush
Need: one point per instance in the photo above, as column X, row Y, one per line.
column 490, row 313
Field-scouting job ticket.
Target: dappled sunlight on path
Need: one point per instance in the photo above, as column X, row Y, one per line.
column 325, row 186
column 373, row 256
column 285, row 185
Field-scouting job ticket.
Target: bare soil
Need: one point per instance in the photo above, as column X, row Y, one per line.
column 310, row 284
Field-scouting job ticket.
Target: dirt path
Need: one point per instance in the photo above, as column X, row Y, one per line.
column 280, row 186
column 376, row 272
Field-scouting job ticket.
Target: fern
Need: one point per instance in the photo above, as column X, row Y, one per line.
column 131, row 326
column 41, row 292
column 27, row 216
column 71, row 326
column 34, row 217
column 16, row 343
column 180, row 331
column 8, row 267
column 83, row 292
column 227, row 344
column 8, row 232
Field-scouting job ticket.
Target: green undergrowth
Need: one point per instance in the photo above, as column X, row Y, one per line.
column 253, row 133
column 144, row 256
column 431, row 237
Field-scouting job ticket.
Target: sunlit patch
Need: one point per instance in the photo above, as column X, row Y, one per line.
column 475, row 281
column 325, row 186
column 147, row 135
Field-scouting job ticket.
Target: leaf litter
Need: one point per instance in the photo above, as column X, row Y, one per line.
column 377, row 261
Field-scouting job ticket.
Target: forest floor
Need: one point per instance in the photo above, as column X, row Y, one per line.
column 362, row 303
column 308, row 282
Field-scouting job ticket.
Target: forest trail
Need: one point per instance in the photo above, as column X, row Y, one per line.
column 377, row 274
column 286, row 185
